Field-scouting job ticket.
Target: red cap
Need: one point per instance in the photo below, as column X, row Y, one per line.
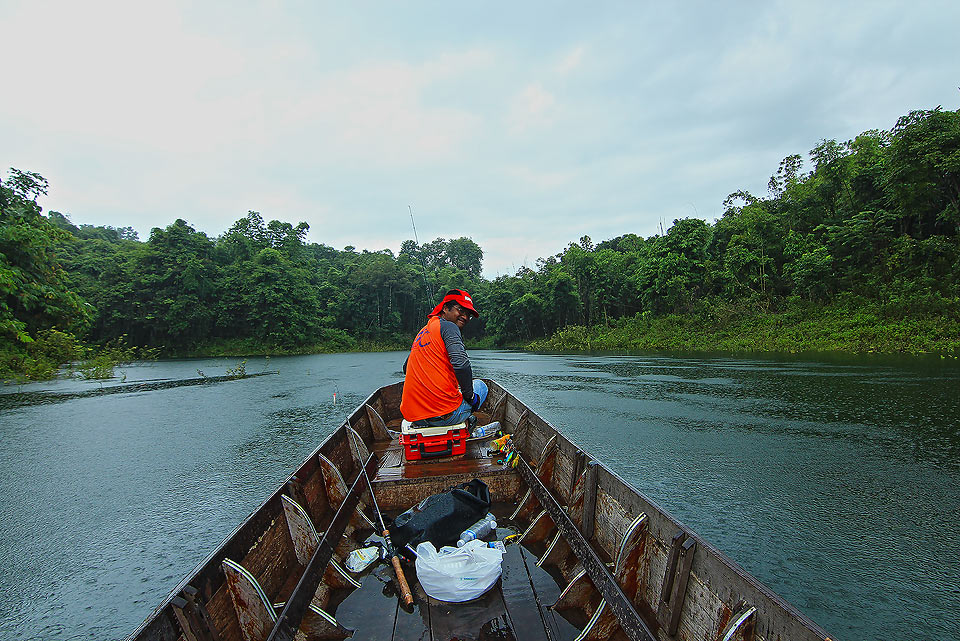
column 461, row 298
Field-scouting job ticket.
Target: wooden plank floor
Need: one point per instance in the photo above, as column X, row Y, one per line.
column 516, row 608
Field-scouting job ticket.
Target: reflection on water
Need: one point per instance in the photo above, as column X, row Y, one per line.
column 833, row 481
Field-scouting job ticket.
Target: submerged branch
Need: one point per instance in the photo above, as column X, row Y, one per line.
column 25, row 399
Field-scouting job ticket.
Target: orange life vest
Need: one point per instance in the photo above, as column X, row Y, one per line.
column 430, row 387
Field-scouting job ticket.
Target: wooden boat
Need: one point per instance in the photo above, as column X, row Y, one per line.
column 596, row 559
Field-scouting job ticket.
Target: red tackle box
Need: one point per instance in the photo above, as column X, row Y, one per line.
column 421, row 443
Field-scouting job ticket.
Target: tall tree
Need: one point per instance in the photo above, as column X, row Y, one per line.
column 923, row 171
column 33, row 287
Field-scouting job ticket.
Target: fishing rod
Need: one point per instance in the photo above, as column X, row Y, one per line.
column 405, row 593
column 423, row 262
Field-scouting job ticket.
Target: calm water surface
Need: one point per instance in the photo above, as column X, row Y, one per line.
column 835, row 482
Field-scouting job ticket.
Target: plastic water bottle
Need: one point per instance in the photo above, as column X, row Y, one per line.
column 478, row 530
column 359, row 559
column 485, row 430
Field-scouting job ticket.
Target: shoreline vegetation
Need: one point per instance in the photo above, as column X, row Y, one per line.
column 833, row 329
column 854, row 250
column 853, row 327
column 856, row 327
column 243, row 347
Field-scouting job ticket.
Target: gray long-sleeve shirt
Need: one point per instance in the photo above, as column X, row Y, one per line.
column 452, row 338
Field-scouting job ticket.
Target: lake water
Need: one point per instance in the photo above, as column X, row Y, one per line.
column 835, row 481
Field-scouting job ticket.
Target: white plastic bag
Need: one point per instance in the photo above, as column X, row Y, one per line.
column 458, row 574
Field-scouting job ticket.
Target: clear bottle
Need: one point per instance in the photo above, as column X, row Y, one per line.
column 478, row 530
column 359, row 559
column 485, row 430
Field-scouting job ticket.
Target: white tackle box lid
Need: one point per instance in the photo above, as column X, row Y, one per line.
column 406, row 427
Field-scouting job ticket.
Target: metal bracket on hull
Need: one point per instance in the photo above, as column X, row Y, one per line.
column 521, row 428
column 358, row 448
column 528, row 503
column 524, row 506
column 257, row 615
column 580, row 592
column 548, row 460
column 560, row 557
column 600, row 626
column 743, row 622
column 254, row 610
column 549, row 551
column 305, row 540
column 538, row 530
column 499, row 410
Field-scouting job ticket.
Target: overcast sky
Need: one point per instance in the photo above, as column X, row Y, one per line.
column 521, row 125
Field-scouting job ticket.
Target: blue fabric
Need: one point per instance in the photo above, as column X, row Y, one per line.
column 463, row 412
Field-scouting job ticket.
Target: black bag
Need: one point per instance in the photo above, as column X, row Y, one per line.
column 442, row 517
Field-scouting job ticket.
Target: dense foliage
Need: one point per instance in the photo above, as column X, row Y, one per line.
column 257, row 286
column 873, row 225
column 34, row 295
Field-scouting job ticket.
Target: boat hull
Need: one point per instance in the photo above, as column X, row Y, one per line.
column 623, row 567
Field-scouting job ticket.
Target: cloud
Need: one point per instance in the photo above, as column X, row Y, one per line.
column 605, row 123
column 539, row 180
column 533, row 108
column 571, row 61
column 377, row 113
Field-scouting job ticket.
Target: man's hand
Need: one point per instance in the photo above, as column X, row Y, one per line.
column 475, row 402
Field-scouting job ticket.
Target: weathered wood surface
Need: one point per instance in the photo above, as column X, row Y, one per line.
column 293, row 612
column 623, row 608
column 516, row 608
column 400, row 485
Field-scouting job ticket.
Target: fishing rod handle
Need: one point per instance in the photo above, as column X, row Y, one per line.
column 405, row 593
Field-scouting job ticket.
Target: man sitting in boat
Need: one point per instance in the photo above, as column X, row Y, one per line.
column 439, row 388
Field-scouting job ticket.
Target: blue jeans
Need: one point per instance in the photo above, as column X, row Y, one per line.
column 463, row 412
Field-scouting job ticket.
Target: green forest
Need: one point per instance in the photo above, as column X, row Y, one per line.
column 855, row 249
